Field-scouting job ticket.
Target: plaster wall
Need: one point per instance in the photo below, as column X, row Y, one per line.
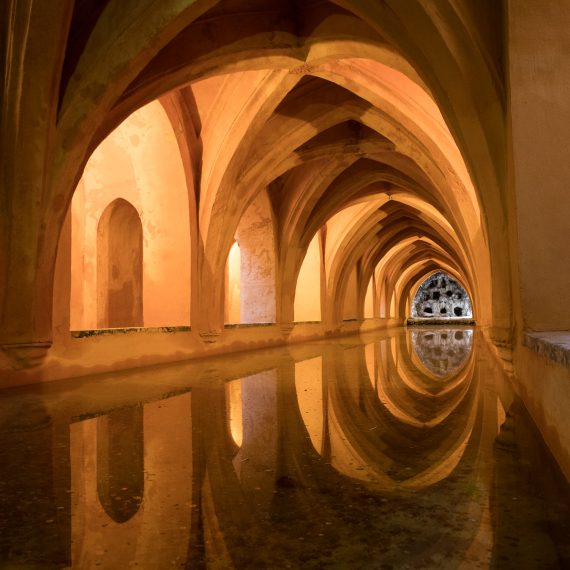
column 308, row 290
column 544, row 386
column 140, row 163
column 233, row 285
column 539, row 90
column 369, row 300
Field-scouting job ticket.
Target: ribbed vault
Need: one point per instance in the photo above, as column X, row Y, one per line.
column 359, row 120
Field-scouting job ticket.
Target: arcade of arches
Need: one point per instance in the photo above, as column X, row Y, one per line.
column 199, row 177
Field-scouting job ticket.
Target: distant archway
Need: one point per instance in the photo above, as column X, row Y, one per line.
column 443, row 297
column 120, row 267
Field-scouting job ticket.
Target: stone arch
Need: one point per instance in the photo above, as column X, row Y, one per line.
column 120, row 267
column 437, row 46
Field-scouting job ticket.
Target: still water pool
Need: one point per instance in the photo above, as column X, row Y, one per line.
column 401, row 449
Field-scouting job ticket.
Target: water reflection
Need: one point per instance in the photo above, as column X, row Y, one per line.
column 348, row 454
column 443, row 352
column 397, row 429
column 156, row 531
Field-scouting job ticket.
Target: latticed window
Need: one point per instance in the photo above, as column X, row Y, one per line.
column 441, row 296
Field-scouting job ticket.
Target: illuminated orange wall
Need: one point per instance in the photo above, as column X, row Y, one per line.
column 308, row 290
column 140, row 163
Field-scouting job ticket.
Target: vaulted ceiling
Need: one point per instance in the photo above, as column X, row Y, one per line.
column 392, row 109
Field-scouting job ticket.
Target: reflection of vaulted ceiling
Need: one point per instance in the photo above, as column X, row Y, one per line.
column 396, row 425
column 321, row 147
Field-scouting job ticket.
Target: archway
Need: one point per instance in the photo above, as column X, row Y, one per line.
column 441, row 296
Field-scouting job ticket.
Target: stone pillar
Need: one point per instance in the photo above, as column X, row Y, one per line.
column 30, row 89
column 257, row 270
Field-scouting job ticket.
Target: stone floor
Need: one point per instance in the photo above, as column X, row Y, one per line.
column 402, row 449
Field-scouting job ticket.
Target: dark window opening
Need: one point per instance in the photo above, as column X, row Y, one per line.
column 440, row 295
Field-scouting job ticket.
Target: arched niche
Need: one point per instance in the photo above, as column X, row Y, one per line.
column 120, row 267
column 441, row 296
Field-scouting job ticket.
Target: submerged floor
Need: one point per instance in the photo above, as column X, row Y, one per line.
column 403, row 449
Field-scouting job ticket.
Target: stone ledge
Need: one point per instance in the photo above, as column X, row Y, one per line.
column 247, row 325
column 125, row 330
column 554, row 345
column 449, row 321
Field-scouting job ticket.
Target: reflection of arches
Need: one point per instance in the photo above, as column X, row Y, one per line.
column 120, row 462
column 119, row 267
column 441, row 296
column 406, row 410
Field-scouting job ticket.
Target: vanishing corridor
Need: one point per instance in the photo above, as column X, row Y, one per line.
column 284, row 284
